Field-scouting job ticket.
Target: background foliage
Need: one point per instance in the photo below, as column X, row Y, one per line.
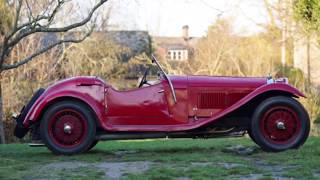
column 220, row 52
column 308, row 12
column 5, row 17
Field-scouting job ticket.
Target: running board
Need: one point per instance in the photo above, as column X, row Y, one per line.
column 36, row 144
column 144, row 135
column 126, row 136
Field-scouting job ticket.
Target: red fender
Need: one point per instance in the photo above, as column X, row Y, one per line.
column 87, row 89
column 280, row 87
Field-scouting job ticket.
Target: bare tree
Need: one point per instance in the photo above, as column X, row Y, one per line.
column 28, row 21
column 280, row 14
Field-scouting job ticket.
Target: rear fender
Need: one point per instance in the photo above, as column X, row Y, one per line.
column 93, row 96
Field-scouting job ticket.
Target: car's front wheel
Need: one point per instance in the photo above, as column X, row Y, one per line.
column 280, row 123
column 68, row 127
column 94, row 143
column 249, row 131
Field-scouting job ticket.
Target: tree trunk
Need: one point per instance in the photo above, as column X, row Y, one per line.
column 284, row 37
column 308, row 64
column 2, row 134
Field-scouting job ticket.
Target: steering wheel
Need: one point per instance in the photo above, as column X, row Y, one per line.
column 144, row 78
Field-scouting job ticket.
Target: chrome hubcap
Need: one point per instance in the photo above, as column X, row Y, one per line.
column 67, row 128
column 280, row 125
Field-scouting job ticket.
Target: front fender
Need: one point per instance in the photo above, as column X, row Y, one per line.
column 281, row 87
column 276, row 88
column 93, row 96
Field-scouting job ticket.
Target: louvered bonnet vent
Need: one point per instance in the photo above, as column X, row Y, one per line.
column 211, row 100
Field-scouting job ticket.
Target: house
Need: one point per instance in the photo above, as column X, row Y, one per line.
column 169, row 48
column 175, row 48
column 137, row 42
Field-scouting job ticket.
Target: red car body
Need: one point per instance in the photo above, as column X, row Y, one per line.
column 175, row 106
column 200, row 101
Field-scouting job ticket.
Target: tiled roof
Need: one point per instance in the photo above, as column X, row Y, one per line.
column 174, row 46
column 175, row 42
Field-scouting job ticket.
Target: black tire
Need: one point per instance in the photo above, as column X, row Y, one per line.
column 95, row 142
column 280, row 123
column 249, row 131
column 81, row 123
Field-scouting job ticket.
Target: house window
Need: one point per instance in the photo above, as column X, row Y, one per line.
column 177, row 55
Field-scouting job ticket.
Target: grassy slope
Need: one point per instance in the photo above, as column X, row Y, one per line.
column 174, row 159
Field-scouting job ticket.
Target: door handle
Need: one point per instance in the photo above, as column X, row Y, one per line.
column 161, row 91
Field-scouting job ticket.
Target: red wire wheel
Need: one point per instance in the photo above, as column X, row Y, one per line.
column 68, row 127
column 280, row 123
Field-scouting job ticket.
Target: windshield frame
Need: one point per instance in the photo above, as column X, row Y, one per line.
column 154, row 60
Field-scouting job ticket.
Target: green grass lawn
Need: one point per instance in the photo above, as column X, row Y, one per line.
column 162, row 159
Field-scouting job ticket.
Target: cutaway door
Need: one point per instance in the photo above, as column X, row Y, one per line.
column 143, row 106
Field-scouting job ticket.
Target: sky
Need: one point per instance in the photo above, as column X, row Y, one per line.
column 166, row 17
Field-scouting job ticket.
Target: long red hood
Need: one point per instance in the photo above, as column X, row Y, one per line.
column 218, row 81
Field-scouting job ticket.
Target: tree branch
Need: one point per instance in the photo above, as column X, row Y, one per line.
column 36, row 19
column 55, row 11
column 43, row 50
column 30, row 11
column 75, row 25
column 18, row 10
column 33, row 30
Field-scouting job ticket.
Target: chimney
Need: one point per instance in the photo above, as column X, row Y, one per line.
column 185, row 32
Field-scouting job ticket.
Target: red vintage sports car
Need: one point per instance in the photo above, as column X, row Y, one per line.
column 72, row 115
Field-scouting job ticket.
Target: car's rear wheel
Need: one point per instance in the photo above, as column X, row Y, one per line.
column 280, row 123
column 68, row 127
